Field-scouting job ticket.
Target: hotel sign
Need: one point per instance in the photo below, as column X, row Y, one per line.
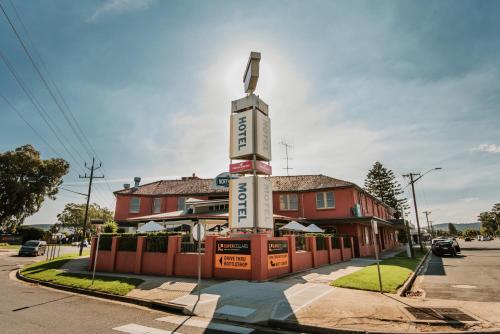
column 247, row 167
column 242, row 202
column 244, row 128
column 233, row 254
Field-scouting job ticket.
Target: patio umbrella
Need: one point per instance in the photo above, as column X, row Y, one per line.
column 294, row 226
column 315, row 229
column 150, row 227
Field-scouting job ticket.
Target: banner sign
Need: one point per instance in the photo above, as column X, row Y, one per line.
column 277, row 261
column 247, row 167
column 277, row 247
column 233, row 254
column 242, row 132
column 241, row 199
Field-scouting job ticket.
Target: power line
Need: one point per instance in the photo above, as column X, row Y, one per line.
column 54, row 84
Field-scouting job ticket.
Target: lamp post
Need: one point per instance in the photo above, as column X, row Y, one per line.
column 412, row 183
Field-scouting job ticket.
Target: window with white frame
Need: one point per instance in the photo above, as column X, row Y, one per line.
column 157, row 205
column 135, row 205
column 325, row 200
column 289, row 202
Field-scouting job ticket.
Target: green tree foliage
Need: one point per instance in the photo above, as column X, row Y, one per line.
column 452, row 229
column 110, row 227
column 25, row 181
column 73, row 214
column 381, row 182
column 471, row 233
column 489, row 224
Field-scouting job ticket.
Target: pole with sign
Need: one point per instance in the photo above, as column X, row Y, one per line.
column 375, row 244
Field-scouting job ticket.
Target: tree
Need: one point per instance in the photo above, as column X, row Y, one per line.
column 452, row 229
column 381, row 182
column 73, row 214
column 471, row 233
column 25, row 181
column 488, row 222
column 110, row 227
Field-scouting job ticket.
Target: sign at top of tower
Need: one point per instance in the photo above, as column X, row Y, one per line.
column 252, row 72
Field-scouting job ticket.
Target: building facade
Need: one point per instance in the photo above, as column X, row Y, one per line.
column 337, row 206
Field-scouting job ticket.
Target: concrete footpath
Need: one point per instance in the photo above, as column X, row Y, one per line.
column 306, row 302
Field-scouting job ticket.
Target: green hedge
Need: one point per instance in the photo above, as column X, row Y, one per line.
column 157, row 243
column 347, row 242
column 127, row 243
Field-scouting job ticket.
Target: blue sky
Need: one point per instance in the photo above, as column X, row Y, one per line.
column 413, row 84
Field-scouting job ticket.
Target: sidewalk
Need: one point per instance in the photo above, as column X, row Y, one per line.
column 303, row 301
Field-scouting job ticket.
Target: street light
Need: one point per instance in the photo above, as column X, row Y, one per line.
column 412, row 183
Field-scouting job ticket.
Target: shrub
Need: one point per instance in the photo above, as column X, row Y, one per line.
column 110, row 227
column 30, row 233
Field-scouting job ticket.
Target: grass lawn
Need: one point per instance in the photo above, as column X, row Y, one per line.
column 394, row 271
column 7, row 246
column 49, row 271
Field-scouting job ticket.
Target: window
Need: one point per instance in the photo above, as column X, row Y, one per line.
column 181, row 203
column 325, row 200
column 135, row 204
column 289, row 202
column 156, row 205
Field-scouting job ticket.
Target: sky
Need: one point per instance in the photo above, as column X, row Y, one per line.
column 412, row 84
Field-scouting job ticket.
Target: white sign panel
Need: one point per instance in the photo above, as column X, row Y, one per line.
column 241, row 141
column 242, row 202
column 263, row 136
column 265, row 200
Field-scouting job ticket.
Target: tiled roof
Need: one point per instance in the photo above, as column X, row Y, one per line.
column 204, row 186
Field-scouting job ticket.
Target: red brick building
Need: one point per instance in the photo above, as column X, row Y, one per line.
column 335, row 205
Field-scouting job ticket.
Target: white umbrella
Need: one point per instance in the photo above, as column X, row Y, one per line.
column 294, row 226
column 315, row 229
column 150, row 227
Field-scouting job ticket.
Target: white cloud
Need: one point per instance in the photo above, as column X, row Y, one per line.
column 117, row 7
column 489, row 148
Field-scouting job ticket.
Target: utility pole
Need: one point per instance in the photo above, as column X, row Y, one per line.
column 412, row 183
column 427, row 213
column 91, row 178
column 284, row 143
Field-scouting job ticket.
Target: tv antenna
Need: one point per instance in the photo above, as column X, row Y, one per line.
column 287, row 146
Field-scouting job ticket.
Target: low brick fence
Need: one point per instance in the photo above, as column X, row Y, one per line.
column 255, row 258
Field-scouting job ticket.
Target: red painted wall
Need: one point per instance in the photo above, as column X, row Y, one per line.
column 154, row 263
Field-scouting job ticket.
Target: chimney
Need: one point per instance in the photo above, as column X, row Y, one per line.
column 126, row 185
column 137, row 180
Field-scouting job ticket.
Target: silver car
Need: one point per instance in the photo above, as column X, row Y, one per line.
column 33, row 248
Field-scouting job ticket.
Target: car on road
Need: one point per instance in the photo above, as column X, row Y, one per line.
column 77, row 243
column 444, row 247
column 33, row 248
column 467, row 239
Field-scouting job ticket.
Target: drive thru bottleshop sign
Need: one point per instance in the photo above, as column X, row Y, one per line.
column 277, row 254
column 242, row 202
column 233, row 254
column 243, row 131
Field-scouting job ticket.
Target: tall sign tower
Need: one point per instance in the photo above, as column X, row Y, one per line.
column 250, row 195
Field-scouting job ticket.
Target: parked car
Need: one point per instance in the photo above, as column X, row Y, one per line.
column 77, row 243
column 437, row 239
column 33, row 248
column 467, row 239
column 444, row 247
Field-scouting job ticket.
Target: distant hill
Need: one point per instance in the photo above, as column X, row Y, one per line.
column 44, row 227
column 460, row 227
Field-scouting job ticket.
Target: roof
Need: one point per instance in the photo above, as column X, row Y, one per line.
column 192, row 186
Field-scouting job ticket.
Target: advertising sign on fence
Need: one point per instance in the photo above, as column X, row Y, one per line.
column 277, row 254
column 233, row 254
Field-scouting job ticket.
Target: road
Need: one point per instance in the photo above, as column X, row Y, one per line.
column 27, row 308
column 471, row 276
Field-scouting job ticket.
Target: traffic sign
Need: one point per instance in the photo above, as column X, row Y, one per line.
column 198, row 232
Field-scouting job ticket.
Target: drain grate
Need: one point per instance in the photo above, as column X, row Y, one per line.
column 439, row 314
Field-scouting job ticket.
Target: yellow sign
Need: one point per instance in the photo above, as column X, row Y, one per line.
column 277, row 261
column 233, row 261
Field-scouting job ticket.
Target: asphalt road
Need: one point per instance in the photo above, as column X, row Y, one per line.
column 26, row 308
column 474, row 275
